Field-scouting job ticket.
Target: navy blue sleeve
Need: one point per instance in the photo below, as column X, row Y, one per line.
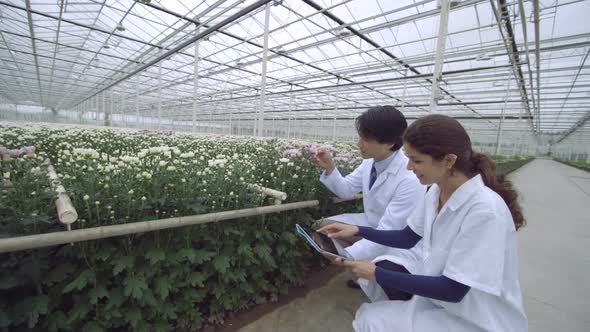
column 438, row 288
column 404, row 239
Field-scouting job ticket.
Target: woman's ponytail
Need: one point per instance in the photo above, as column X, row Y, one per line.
column 486, row 167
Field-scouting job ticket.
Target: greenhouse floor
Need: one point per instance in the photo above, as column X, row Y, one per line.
column 554, row 262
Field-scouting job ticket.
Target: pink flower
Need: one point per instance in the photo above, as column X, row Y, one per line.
column 311, row 148
column 29, row 150
column 327, row 147
column 292, row 152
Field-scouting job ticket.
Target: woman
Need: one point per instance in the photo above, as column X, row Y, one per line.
column 464, row 233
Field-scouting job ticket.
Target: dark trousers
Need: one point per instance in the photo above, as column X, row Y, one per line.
column 394, row 293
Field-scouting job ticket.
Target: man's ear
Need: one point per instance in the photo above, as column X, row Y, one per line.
column 450, row 160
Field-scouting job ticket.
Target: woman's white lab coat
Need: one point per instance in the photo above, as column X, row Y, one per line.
column 387, row 205
column 472, row 241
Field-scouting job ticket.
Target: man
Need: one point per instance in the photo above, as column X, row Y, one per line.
column 389, row 190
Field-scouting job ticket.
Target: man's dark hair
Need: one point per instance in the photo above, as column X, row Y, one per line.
column 384, row 124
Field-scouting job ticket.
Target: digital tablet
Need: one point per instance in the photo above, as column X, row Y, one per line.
column 317, row 247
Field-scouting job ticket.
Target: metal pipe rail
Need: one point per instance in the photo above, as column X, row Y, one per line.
column 103, row 232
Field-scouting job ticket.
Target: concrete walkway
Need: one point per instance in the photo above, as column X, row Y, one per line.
column 554, row 257
column 554, row 262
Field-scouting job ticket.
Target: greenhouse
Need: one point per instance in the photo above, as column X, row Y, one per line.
column 157, row 155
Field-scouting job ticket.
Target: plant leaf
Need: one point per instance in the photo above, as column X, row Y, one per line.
column 155, row 256
column 57, row 321
column 196, row 279
column 134, row 286
column 221, row 263
column 92, row 327
column 163, row 287
column 133, row 316
column 121, row 264
column 79, row 283
column 97, row 293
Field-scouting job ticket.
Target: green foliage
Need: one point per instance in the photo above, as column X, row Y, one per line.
column 172, row 280
column 577, row 164
column 508, row 166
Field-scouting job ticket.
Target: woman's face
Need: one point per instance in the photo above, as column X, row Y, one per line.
column 427, row 169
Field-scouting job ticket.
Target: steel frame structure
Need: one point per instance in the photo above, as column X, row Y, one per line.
column 520, row 63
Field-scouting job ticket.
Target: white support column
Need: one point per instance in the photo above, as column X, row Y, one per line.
column 335, row 113
column 104, row 103
column 137, row 105
column 260, row 122
column 195, row 80
column 160, row 94
column 123, row 111
column 230, row 122
column 239, row 129
column 499, row 136
column 109, row 119
column 440, row 51
column 405, row 72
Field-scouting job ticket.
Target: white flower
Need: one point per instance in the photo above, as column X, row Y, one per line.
column 282, row 183
column 163, row 163
column 86, row 197
column 130, row 192
column 7, row 175
column 97, row 203
column 106, row 186
column 295, row 176
column 284, row 160
column 183, row 180
column 143, row 198
column 171, row 168
column 231, row 193
column 33, row 193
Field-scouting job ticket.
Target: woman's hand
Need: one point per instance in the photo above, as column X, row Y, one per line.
column 361, row 269
column 323, row 158
column 339, row 231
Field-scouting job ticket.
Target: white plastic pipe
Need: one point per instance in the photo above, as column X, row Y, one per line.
column 51, row 239
column 279, row 196
column 65, row 210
